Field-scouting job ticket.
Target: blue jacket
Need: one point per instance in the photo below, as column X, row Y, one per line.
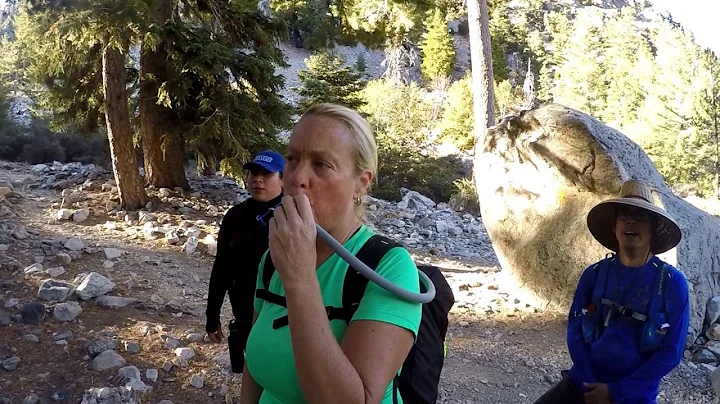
column 615, row 359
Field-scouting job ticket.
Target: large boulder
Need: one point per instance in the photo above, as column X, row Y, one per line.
column 539, row 173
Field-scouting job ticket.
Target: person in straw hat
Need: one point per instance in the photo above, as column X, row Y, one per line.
column 629, row 318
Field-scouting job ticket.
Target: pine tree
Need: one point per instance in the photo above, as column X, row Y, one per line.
column 706, row 119
column 667, row 134
column 5, row 122
column 221, row 106
column 327, row 79
column 322, row 24
column 627, row 66
column 438, row 52
column 361, row 64
column 92, row 31
column 579, row 79
column 122, row 151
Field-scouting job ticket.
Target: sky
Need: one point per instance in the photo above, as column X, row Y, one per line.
column 698, row 17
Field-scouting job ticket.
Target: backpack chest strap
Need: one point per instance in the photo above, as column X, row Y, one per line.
column 623, row 311
column 271, row 297
column 333, row 313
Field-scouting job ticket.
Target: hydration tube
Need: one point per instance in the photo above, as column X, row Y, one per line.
column 367, row 272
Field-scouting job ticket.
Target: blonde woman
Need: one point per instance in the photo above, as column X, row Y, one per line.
column 331, row 163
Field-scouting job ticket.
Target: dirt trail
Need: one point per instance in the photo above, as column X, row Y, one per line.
column 500, row 350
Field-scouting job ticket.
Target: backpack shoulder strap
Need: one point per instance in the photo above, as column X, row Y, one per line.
column 657, row 301
column 268, row 271
column 371, row 253
column 602, row 268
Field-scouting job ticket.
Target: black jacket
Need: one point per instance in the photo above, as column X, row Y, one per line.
column 242, row 241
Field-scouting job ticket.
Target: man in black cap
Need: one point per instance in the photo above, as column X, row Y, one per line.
column 629, row 319
column 242, row 240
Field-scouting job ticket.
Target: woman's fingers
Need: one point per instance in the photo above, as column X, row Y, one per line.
column 272, row 226
column 303, row 207
column 289, row 208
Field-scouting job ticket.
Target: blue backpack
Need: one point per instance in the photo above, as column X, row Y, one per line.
column 596, row 314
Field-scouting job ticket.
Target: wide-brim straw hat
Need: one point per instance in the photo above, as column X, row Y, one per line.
column 601, row 218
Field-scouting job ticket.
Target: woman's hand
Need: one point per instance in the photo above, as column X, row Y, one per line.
column 292, row 240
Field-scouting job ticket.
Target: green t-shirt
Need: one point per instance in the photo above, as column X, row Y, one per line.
column 269, row 356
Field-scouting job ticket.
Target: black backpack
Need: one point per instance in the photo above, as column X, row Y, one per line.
column 418, row 380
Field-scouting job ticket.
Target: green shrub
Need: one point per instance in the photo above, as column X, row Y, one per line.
column 465, row 198
column 401, row 118
column 457, row 120
column 37, row 144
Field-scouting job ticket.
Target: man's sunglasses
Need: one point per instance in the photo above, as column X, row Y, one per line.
column 638, row 214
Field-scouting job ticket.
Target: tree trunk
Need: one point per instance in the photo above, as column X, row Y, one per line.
column 482, row 79
column 122, row 152
column 482, row 72
column 163, row 145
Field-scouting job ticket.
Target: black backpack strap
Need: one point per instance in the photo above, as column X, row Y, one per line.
column 355, row 283
column 371, row 253
column 267, row 273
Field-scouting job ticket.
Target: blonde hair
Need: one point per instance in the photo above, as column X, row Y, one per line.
column 366, row 156
column 366, row 152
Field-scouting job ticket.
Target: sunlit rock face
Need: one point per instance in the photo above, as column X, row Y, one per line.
column 538, row 175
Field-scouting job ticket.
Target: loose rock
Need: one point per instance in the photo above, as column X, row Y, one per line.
column 67, row 311
column 33, row 313
column 81, row 215
column 197, row 381
column 4, row 318
column 31, row 399
column 98, row 346
column 184, row 353
column 20, row 232
column 112, row 253
column 63, row 336
column 108, row 360
column 94, row 285
column 714, row 379
column 33, row 269
column 64, row 214
column 74, row 244
column 55, row 272
column 129, row 372
column 704, row 356
column 114, row 395
column 191, row 245
column 115, row 302
column 12, row 302
column 132, row 347
column 195, row 337
column 714, row 332
column 10, row 364
column 31, row 338
column 54, row 290
column 152, row 375
column 63, row 259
